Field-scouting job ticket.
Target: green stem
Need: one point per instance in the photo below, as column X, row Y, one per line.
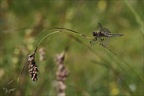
column 46, row 37
column 124, row 62
column 67, row 30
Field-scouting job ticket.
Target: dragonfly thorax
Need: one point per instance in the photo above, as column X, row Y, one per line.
column 100, row 34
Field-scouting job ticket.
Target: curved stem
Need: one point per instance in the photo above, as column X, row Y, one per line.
column 68, row 30
column 46, row 37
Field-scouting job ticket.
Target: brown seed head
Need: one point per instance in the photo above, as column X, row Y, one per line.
column 33, row 68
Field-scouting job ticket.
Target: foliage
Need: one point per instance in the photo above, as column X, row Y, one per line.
column 94, row 70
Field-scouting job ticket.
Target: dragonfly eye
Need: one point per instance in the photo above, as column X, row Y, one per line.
column 94, row 33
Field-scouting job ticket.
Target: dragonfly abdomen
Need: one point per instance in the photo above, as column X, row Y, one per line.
column 114, row 35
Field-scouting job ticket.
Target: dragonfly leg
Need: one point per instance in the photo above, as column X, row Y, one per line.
column 100, row 38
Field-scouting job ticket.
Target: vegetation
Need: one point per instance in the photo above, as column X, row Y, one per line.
column 92, row 70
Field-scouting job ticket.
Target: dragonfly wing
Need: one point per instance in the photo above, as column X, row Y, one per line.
column 100, row 26
column 105, row 41
column 106, row 31
column 95, row 41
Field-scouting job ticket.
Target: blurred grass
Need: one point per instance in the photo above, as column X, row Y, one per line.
column 86, row 77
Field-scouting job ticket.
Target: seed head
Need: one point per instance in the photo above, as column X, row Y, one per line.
column 33, row 68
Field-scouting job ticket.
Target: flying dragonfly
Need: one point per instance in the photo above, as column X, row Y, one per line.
column 103, row 36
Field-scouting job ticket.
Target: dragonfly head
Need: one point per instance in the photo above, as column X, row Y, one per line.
column 94, row 33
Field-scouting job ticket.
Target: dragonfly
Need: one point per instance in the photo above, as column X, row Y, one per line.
column 103, row 36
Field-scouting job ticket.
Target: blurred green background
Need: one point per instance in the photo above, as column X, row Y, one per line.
column 94, row 70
